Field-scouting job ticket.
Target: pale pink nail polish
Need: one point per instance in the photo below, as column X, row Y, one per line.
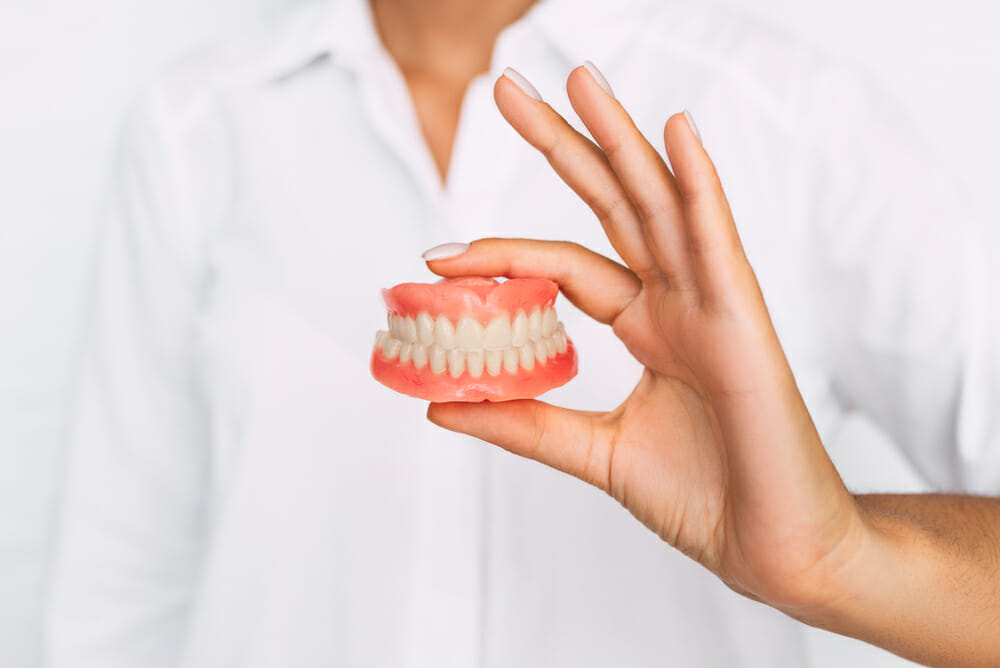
column 445, row 251
column 691, row 124
column 522, row 83
column 598, row 77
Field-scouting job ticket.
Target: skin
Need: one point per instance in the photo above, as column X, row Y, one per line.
column 714, row 450
column 440, row 46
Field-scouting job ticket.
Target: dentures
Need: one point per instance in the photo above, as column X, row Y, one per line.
column 473, row 339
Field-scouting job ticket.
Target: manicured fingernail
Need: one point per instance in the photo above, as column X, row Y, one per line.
column 445, row 251
column 598, row 77
column 522, row 83
column 691, row 124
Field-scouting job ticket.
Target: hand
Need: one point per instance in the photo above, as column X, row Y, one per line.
column 714, row 450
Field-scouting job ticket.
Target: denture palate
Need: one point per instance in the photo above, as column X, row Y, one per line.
column 505, row 344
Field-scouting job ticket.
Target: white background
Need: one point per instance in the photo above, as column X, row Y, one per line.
column 68, row 70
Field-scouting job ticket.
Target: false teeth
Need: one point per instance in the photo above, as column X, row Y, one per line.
column 504, row 345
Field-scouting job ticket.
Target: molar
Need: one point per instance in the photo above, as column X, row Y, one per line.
column 560, row 337
column 550, row 346
column 390, row 348
column 549, row 322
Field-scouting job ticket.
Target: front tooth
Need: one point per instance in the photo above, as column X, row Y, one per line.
column 444, row 333
column 527, row 356
column 560, row 337
column 510, row 356
column 549, row 322
column 405, row 352
column 456, row 363
column 391, row 348
column 475, row 359
column 395, row 325
column 535, row 324
column 380, row 336
column 425, row 328
column 541, row 352
column 520, row 330
column 494, row 362
column 409, row 329
column 550, row 346
column 438, row 358
column 419, row 355
column 469, row 334
column 498, row 333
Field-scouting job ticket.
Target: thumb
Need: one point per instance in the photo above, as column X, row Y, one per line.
column 564, row 439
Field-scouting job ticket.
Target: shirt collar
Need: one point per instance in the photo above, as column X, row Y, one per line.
column 343, row 30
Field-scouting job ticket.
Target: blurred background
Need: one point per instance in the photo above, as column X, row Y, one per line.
column 68, row 70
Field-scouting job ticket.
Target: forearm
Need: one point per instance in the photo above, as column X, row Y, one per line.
column 926, row 585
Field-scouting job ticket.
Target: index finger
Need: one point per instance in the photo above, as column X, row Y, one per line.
column 597, row 285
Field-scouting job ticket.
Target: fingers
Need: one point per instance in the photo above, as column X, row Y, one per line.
column 716, row 253
column 582, row 166
column 598, row 286
column 641, row 171
column 558, row 437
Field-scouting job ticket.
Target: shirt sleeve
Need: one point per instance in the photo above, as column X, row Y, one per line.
column 132, row 528
column 902, row 265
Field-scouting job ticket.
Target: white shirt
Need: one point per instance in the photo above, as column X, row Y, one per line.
column 242, row 493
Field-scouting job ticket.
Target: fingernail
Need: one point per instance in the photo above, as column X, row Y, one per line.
column 522, row 83
column 598, row 77
column 445, row 251
column 691, row 124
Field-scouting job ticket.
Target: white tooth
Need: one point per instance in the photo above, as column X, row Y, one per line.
column 444, row 333
column 535, row 324
column 498, row 333
column 469, row 334
column 520, row 330
column 475, row 359
column 494, row 362
column 419, row 355
column 549, row 322
column 527, row 356
column 510, row 357
column 380, row 338
column 541, row 352
column 409, row 329
column 405, row 352
column 425, row 328
column 391, row 348
column 456, row 363
column 438, row 358
column 560, row 337
column 395, row 325
column 550, row 346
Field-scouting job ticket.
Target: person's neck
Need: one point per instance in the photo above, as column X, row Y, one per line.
column 445, row 39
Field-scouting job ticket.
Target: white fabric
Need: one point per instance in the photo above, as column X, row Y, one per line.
column 242, row 493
